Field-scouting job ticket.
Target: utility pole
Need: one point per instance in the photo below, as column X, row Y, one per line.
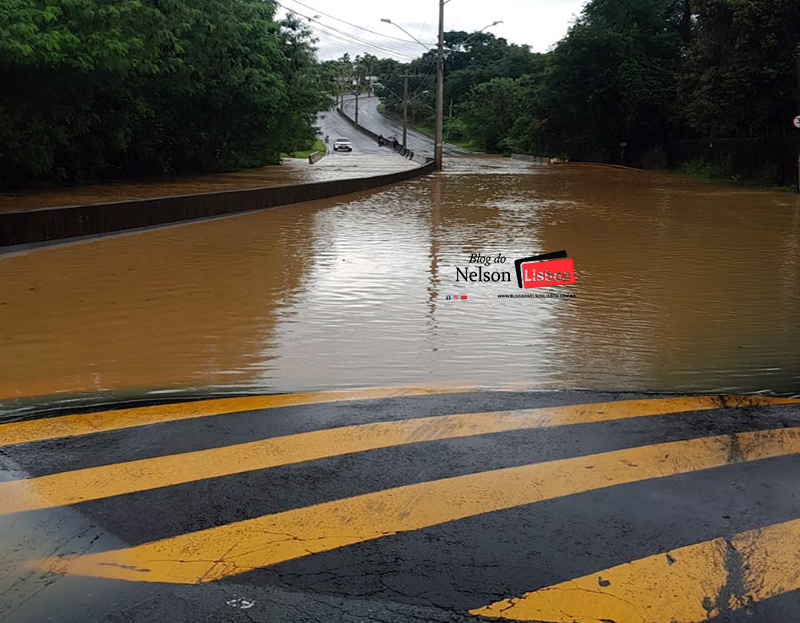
column 437, row 149
column 357, row 87
column 340, row 80
column 405, row 108
column 797, row 132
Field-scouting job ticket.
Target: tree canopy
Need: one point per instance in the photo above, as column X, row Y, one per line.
column 627, row 72
column 99, row 88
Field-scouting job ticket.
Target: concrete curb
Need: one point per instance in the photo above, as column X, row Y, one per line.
column 27, row 227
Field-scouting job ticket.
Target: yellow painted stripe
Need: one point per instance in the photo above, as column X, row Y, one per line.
column 238, row 547
column 685, row 585
column 101, row 421
column 86, row 423
column 105, row 481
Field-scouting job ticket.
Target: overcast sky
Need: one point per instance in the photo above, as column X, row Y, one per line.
column 539, row 23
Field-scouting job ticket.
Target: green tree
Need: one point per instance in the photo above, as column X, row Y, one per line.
column 611, row 79
column 99, row 88
column 738, row 77
column 490, row 112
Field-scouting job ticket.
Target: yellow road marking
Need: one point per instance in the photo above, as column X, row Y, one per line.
column 86, row 423
column 686, row 585
column 238, row 547
column 95, row 483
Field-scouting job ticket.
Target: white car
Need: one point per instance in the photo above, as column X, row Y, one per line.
column 342, row 144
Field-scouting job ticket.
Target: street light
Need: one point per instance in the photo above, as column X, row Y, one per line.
column 438, row 134
column 388, row 21
column 437, row 145
column 477, row 32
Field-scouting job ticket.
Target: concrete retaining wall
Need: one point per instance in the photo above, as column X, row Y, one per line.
column 61, row 223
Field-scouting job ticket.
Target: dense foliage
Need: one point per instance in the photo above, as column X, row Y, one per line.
column 108, row 88
column 628, row 72
column 739, row 75
column 99, row 88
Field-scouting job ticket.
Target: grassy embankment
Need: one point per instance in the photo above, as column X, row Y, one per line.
column 318, row 146
column 424, row 129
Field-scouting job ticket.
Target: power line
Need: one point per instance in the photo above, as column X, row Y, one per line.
column 332, row 38
column 348, row 35
column 355, row 43
column 353, row 25
column 424, row 78
column 352, row 39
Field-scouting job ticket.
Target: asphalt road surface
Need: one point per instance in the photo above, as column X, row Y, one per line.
column 334, row 125
column 370, row 118
column 401, row 506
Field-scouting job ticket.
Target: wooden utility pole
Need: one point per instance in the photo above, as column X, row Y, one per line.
column 357, row 85
column 437, row 148
column 797, row 131
column 405, row 109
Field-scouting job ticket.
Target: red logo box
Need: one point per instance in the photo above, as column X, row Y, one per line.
column 543, row 274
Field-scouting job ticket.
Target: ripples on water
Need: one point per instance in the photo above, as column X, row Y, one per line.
column 682, row 285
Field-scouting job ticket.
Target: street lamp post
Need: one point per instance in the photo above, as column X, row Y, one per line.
column 798, row 110
column 439, row 130
column 477, row 32
column 357, row 85
column 437, row 147
column 405, row 109
column 386, row 20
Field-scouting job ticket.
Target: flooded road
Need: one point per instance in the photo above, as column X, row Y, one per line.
column 291, row 171
column 681, row 285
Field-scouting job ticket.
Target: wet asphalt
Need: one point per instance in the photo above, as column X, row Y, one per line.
column 437, row 572
column 370, row 118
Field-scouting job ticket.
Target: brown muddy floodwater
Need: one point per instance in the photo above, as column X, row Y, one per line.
column 681, row 285
column 290, row 171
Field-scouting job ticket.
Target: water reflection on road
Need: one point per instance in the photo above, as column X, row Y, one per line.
column 681, row 285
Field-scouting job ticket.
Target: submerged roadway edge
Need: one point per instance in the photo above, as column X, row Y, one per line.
column 33, row 227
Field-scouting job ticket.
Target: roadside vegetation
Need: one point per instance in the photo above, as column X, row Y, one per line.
column 454, row 138
column 316, row 145
column 110, row 88
column 630, row 77
column 721, row 167
column 99, row 89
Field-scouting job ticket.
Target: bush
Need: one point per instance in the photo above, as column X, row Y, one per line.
column 455, row 130
column 718, row 167
column 768, row 174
